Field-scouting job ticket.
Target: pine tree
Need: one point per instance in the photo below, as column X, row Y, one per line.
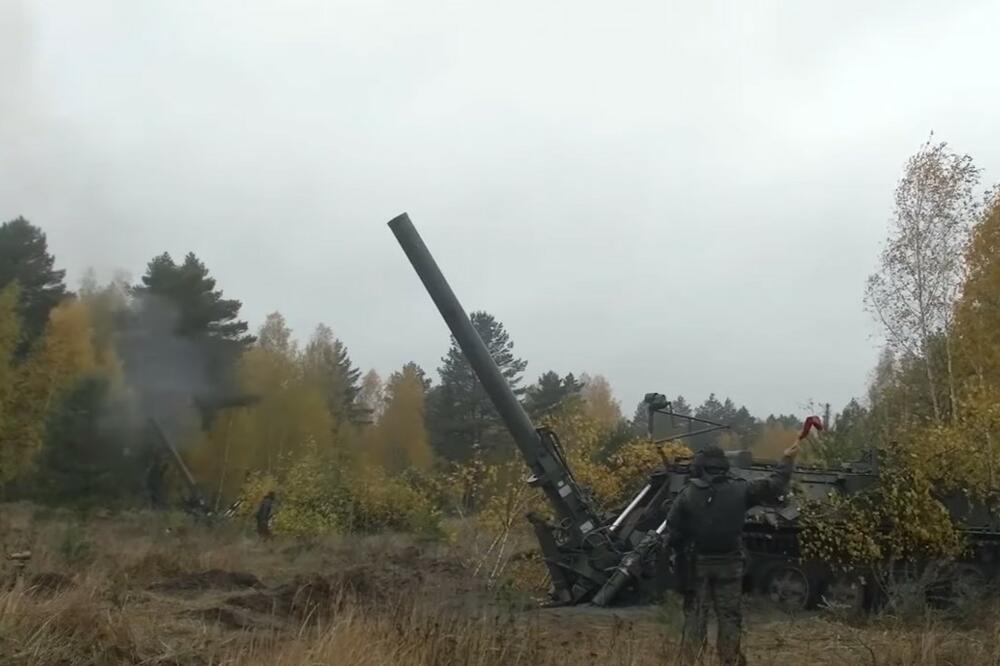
column 549, row 391
column 182, row 337
column 84, row 459
column 681, row 406
column 326, row 359
column 719, row 412
column 460, row 416
column 186, row 296
column 744, row 426
column 24, row 259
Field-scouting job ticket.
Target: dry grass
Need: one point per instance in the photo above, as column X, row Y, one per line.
column 151, row 589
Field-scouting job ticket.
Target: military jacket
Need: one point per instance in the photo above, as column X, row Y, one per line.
column 709, row 512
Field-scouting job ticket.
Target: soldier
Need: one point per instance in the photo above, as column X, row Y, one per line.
column 684, row 552
column 263, row 516
column 706, row 520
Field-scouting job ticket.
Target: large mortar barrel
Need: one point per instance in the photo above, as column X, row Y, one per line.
column 175, row 456
column 497, row 388
column 541, row 455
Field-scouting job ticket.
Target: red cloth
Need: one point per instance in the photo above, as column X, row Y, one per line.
column 810, row 423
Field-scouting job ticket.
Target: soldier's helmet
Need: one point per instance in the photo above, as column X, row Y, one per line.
column 714, row 460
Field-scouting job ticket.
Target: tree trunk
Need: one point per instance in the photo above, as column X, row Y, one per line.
column 932, row 386
column 951, row 379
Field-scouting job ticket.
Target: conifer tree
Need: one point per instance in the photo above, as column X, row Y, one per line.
column 25, row 259
column 460, row 415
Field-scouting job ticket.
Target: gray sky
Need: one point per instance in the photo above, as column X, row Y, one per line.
column 684, row 197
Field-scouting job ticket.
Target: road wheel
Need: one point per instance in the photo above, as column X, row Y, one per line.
column 958, row 585
column 788, row 587
column 968, row 585
column 842, row 594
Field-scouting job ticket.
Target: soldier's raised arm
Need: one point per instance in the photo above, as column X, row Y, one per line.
column 769, row 489
column 775, row 485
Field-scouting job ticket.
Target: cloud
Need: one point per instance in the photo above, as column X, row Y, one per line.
column 682, row 198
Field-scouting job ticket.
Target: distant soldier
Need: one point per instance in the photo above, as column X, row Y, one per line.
column 706, row 524
column 264, row 513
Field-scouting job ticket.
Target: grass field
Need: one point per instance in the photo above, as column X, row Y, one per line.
column 142, row 588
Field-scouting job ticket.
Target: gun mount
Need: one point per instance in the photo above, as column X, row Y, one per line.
column 195, row 501
column 207, row 407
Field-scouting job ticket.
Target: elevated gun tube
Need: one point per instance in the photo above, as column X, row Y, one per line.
column 185, row 472
column 539, row 451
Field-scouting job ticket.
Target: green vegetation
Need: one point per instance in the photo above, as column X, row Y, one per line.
column 347, row 451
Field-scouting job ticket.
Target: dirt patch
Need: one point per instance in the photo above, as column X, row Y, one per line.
column 366, row 583
column 305, row 597
column 42, row 585
column 316, row 596
column 49, row 584
column 258, row 602
column 213, row 579
column 226, row 617
column 157, row 564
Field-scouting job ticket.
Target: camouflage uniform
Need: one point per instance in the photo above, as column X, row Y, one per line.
column 708, row 517
column 263, row 516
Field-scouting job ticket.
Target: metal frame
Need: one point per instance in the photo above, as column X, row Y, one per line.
column 668, row 410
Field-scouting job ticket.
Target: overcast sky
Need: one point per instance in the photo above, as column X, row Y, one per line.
column 684, row 197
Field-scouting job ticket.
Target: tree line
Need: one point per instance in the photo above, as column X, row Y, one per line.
column 81, row 374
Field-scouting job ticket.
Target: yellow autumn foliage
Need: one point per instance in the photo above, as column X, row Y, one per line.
column 34, row 386
column 925, row 459
column 10, row 331
column 399, row 441
column 963, row 455
column 290, row 415
column 977, row 317
column 316, row 497
column 614, row 478
column 899, row 519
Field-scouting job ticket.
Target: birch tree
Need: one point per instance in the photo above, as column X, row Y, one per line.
column 913, row 292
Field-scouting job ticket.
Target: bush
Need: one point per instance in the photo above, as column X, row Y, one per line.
column 315, row 497
column 74, row 546
column 898, row 519
column 373, row 501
